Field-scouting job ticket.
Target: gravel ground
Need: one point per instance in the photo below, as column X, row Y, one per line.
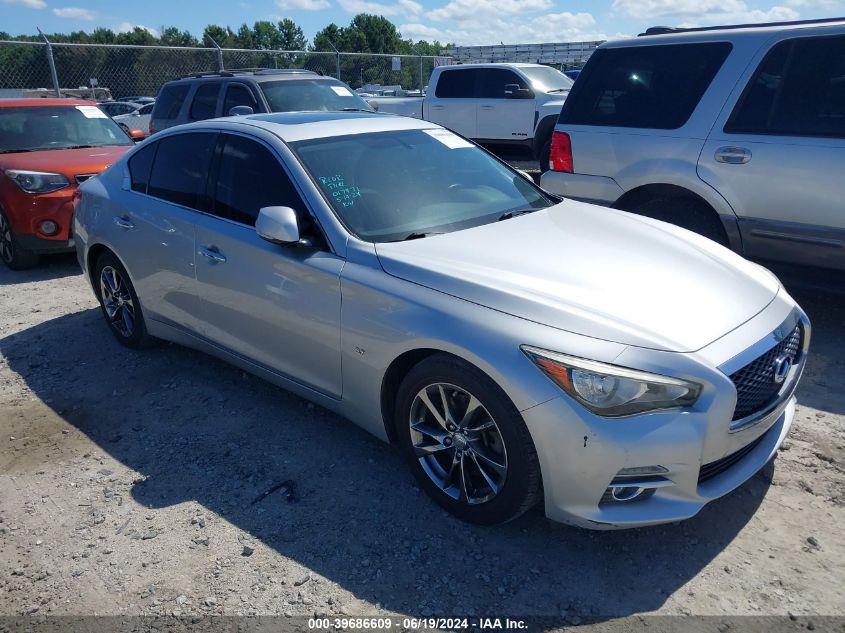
column 134, row 483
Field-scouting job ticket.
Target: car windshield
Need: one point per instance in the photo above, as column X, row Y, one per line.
column 311, row 95
column 32, row 128
column 546, row 78
column 389, row 186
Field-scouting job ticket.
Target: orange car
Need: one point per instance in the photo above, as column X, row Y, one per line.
column 47, row 147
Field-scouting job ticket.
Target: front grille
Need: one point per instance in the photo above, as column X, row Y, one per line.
column 755, row 384
column 708, row 471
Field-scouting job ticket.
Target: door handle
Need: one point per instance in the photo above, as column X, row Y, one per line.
column 124, row 223
column 209, row 252
column 486, row 107
column 436, row 107
column 733, row 155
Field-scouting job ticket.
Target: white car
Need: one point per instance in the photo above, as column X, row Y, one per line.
column 498, row 105
column 137, row 120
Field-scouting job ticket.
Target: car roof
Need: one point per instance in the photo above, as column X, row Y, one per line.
column 727, row 33
column 265, row 74
column 496, row 65
column 299, row 126
column 16, row 103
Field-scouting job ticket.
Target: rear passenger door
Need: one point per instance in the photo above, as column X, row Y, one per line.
column 453, row 104
column 777, row 155
column 277, row 306
column 504, row 115
column 204, row 101
column 155, row 232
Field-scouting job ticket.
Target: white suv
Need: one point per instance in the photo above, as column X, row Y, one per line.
column 737, row 133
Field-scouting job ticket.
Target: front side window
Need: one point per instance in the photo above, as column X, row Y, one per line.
column 799, row 90
column 655, row 87
column 147, row 109
column 204, row 105
column 248, row 178
column 456, row 84
column 181, row 168
column 237, row 95
column 140, row 166
column 34, row 128
column 387, row 186
column 311, row 95
column 492, row 82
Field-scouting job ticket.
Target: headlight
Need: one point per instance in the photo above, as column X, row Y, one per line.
column 612, row 391
column 37, row 181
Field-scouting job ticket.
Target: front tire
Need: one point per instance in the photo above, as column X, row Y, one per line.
column 13, row 255
column 119, row 302
column 466, row 442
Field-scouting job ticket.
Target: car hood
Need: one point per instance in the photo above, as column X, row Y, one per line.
column 69, row 162
column 593, row 271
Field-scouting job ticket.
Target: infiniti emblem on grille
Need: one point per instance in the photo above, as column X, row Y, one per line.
column 780, row 369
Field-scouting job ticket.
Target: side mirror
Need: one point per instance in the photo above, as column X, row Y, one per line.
column 513, row 91
column 137, row 135
column 278, row 225
column 241, row 110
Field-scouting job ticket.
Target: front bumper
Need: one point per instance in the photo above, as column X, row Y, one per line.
column 702, row 456
column 27, row 211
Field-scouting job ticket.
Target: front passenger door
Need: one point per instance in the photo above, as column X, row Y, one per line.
column 278, row 306
column 503, row 117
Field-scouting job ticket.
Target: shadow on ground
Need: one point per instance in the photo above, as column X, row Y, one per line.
column 49, row 267
column 198, row 429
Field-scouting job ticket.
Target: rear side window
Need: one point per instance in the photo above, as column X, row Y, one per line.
column 248, row 178
column 204, row 104
column 180, row 168
column 238, row 95
column 169, row 101
column 140, row 166
column 798, row 90
column 456, row 84
column 654, row 87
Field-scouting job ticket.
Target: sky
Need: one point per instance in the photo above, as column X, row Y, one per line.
column 464, row 22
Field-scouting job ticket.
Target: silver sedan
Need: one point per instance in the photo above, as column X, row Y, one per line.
column 515, row 346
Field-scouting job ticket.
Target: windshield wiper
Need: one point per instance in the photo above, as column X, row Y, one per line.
column 418, row 236
column 559, row 90
column 512, row 214
column 78, row 147
column 355, row 110
column 17, row 151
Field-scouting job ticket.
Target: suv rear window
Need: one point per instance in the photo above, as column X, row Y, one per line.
column 170, row 100
column 654, row 87
column 798, row 90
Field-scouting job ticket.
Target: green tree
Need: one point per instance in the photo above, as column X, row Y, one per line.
column 138, row 36
column 172, row 36
column 223, row 35
column 327, row 38
column 291, row 37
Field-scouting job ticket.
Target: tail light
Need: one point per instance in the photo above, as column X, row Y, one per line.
column 150, row 126
column 560, row 156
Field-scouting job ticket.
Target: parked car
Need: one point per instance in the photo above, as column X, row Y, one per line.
column 737, row 133
column 138, row 99
column 137, row 119
column 508, row 341
column 48, row 147
column 118, row 108
column 209, row 95
column 572, row 74
column 510, row 105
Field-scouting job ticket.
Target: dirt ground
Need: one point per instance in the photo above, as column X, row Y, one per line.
column 132, row 483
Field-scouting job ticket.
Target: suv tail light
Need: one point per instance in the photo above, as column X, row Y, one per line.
column 560, row 156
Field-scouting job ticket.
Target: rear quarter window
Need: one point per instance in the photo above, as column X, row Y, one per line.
column 170, row 100
column 140, row 165
column 654, row 87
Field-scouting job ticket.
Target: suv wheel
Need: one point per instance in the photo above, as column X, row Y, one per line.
column 465, row 442
column 15, row 257
column 687, row 213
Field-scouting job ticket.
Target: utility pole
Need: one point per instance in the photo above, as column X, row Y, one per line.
column 52, row 63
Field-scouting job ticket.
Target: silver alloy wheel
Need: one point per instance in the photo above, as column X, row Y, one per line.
column 458, row 443
column 117, row 301
column 5, row 239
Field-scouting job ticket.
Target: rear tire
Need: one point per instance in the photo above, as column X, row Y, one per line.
column 119, row 302
column 687, row 213
column 13, row 255
column 466, row 442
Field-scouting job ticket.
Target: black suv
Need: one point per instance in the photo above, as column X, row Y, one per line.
column 210, row 95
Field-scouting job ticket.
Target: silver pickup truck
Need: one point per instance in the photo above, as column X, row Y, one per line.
column 492, row 104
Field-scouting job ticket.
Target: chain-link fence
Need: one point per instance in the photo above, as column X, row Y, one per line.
column 124, row 70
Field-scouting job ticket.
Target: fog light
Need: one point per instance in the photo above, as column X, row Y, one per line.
column 620, row 493
column 48, row 227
